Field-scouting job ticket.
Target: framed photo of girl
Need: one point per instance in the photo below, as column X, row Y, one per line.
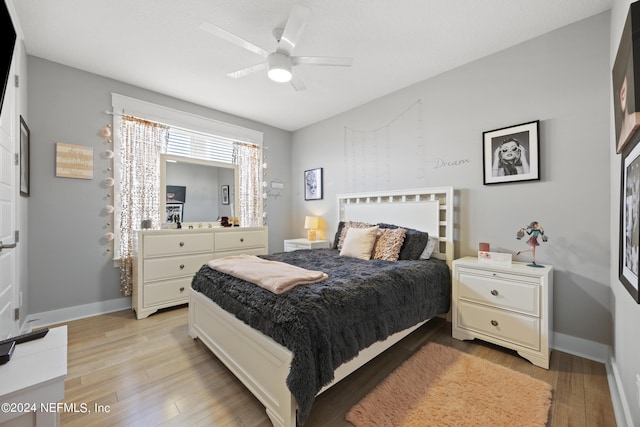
column 629, row 257
column 512, row 154
column 313, row 184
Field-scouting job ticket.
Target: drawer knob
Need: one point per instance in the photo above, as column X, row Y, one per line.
column 181, row 244
column 242, row 239
column 494, row 292
column 182, row 289
column 181, row 266
column 494, row 322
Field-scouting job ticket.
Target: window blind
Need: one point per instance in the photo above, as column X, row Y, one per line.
column 188, row 143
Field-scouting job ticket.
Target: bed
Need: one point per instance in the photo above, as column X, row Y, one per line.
column 273, row 344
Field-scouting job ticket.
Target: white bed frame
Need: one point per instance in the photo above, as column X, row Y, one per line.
column 261, row 363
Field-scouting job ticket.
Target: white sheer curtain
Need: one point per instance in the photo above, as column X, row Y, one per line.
column 141, row 144
column 249, row 159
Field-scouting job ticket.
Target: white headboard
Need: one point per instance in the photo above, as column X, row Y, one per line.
column 424, row 209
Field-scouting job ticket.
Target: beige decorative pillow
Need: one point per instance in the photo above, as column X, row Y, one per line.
column 388, row 243
column 358, row 242
column 347, row 225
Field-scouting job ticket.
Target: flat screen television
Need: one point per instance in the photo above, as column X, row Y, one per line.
column 6, row 48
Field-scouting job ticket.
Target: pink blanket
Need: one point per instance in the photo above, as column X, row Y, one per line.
column 275, row 276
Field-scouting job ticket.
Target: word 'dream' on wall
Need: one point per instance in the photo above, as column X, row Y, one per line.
column 74, row 161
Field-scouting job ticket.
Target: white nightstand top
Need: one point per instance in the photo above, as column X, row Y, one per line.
column 306, row 241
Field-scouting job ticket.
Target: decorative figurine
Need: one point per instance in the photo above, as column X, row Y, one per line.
column 534, row 230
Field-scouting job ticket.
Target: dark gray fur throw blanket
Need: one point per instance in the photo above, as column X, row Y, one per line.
column 326, row 324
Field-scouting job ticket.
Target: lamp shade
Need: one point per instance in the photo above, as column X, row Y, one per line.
column 311, row 222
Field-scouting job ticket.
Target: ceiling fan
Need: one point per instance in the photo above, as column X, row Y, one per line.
column 279, row 64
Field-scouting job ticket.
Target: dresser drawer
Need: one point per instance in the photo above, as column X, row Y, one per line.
column 166, row 268
column 512, row 295
column 238, row 240
column 175, row 291
column 513, row 327
column 252, row 251
column 177, row 244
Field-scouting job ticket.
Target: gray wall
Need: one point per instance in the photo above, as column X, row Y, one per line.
column 561, row 79
column 626, row 346
column 67, row 262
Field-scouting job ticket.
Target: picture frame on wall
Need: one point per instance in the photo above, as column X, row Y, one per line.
column 629, row 255
column 25, row 137
column 225, row 195
column 313, row 184
column 626, row 99
column 512, row 154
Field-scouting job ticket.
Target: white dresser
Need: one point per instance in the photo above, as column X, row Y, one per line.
column 166, row 261
column 295, row 244
column 508, row 305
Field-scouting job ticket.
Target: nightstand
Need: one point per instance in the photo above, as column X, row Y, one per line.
column 508, row 305
column 295, row 244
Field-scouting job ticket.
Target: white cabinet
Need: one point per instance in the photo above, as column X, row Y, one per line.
column 166, row 261
column 295, row 244
column 508, row 305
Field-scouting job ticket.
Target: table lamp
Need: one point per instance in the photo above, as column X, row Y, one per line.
column 311, row 225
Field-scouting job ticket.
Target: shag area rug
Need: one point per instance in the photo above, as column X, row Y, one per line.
column 441, row 386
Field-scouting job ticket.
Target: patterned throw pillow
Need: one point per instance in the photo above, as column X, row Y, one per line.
column 388, row 244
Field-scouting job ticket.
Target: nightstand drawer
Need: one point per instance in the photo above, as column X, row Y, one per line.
column 164, row 268
column 511, row 295
column 177, row 244
column 288, row 247
column 516, row 328
column 502, row 274
column 171, row 290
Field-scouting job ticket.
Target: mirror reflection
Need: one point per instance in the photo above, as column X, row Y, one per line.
column 196, row 190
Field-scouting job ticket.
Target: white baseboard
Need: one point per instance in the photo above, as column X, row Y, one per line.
column 62, row 315
column 618, row 398
column 580, row 347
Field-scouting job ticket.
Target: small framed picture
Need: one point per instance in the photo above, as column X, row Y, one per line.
column 225, row 194
column 625, row 78
column 24, row 157
column 629, row 258
column 175, row 212
column 313, row 184
column 512, row 154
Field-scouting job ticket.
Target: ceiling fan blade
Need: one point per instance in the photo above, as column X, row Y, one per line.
column 293, row 29
column 248, row 70
column 225, row 35
column 322, row 60
column 297, row 83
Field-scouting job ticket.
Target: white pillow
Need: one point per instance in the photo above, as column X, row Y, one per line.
column 428, row 250
column 358, row 242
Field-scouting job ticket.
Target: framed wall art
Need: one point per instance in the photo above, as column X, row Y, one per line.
column 625, row 79
column 175, row 212
column 25, row 143
column 225, row 194
column 74, row 161
column 176, row 194
column 512, row 154
column 313, row 184
column 629, row 255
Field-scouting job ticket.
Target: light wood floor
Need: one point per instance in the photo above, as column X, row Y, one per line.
column 150, row 372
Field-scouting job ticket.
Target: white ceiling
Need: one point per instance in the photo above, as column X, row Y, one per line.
column 157, row 45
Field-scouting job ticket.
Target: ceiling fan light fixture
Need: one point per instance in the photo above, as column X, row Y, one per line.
column 279, row 67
